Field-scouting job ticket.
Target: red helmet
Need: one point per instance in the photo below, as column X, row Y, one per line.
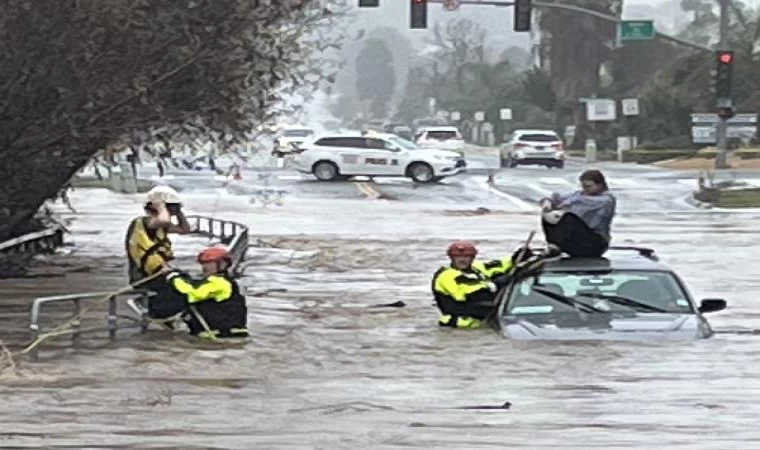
column 462, row 248
column 214, row 254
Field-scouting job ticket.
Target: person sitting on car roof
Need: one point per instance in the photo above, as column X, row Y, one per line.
column 465, row 290
column 578, row 223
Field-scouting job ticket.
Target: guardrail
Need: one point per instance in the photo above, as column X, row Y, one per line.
column 45, row 240
column 234, row 235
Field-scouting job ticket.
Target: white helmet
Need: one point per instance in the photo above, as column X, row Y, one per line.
column 164, row 194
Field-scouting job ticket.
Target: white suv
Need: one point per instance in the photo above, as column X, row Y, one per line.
column 541, row 147
column 340, row 156
column 445, row 138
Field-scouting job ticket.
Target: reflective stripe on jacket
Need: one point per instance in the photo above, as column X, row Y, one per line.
column 218, row 301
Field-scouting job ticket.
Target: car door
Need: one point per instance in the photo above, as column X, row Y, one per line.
column 380, row 157
column 350, row 151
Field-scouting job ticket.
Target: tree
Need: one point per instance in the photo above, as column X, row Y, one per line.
column 78, row 75
column 375, row 77
column 577, row 46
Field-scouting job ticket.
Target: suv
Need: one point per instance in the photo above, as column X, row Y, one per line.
column 541, row 147
column 448, row 138
column 625, row 295
column 289, row 139
column 340, row 156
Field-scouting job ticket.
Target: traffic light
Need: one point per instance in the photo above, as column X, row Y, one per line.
column 522, row 19
column 723, row 73
column 418, row 17
column 369, row 3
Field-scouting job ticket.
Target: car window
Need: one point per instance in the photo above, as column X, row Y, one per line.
column 374, row 143
column 655, row 289
column 297, row 133
column 353, row 142
column 538, row 138
column 403, row 143
column 442, row 135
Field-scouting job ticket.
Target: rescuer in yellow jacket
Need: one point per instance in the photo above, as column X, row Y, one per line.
column 465, row 290
column 215, row 306
column 149, row 249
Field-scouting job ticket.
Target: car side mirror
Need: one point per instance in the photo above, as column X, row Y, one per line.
column 709, row 305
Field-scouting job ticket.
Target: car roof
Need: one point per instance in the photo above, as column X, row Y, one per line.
column 622, row 258
column 439, row 128
column 344, row 134
column 529, row 131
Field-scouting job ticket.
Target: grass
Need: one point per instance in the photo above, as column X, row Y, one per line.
column 93, row 182
column 738, row 198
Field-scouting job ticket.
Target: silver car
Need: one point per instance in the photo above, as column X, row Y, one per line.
column 533, row 147
column 626, row 295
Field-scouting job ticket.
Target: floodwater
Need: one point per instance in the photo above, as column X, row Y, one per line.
column 325, row 370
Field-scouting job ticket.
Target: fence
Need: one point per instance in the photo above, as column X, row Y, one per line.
column 232, row 234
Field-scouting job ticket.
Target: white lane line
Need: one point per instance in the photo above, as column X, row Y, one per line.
column 521, row 204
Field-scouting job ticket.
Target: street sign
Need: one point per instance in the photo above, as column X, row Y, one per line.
column 456, row 116
column 704, row 128
column 601, row 110
column 630, row 107
column 505, row 114
column 636, row 30
column 480, row 116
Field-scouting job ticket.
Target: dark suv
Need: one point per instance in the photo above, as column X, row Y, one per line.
column 625, row 295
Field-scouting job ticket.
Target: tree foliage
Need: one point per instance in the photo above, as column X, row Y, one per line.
column 79, row 74
column 375, row 76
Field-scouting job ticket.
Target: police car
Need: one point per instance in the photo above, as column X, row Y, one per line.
column 340, row 156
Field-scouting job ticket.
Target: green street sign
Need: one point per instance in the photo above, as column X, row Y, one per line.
column 636, row 30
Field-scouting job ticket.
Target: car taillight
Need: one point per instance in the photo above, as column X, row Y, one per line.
column 558, row 146
column 521, row 145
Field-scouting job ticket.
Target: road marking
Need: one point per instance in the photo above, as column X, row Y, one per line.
column 521, row 204
column 367, row 189
column 289, row 177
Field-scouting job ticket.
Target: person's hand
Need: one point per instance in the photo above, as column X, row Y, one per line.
column 492, row 286
column 546, row 205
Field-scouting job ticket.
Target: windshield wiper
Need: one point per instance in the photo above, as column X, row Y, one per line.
column 625, row 301
column 567, row 300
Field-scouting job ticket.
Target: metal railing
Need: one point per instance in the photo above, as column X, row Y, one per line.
column 234, row 235
column 45, row 240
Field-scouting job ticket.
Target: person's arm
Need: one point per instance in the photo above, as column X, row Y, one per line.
column 553, row 202
column 182, row 227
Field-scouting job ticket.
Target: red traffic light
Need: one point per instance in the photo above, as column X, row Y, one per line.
column 725, row 58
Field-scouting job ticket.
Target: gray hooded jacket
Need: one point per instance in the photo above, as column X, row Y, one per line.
column 596, row 211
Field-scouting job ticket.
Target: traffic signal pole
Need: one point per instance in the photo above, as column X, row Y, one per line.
column 721, row 159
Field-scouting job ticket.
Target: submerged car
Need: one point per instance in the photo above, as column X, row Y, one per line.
column 625, row 295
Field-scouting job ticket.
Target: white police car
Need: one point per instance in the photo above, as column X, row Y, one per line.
column 340, row 156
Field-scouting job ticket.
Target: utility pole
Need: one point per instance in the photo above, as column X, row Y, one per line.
column 721, row 159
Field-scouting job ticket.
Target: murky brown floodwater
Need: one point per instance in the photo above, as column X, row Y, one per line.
column 323, row 370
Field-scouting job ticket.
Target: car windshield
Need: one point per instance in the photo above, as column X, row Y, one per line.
column 616, row 291
column 403, row 143
column 442, row 135
column 297, row 133
column 538, row 138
